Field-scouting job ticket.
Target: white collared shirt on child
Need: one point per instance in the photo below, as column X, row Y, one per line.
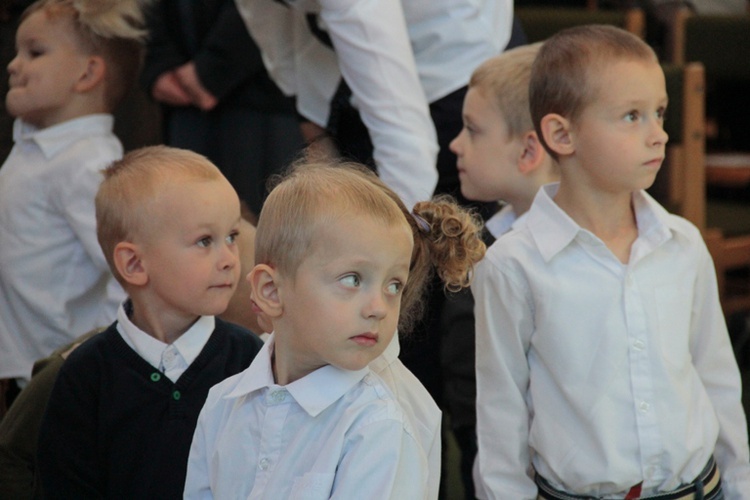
column 55, row 283
column 170, row 359
column 332, row 431
column 613, row 373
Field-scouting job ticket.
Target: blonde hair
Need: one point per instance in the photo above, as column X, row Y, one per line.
column 311, row 194
column 130, row 185
column 112, row 29
column 563, row 75
column 505, row 80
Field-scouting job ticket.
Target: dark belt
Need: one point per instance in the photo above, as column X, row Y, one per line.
column 707, row 486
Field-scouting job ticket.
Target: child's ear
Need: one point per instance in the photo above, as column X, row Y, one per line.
column 264, row 290
column 556, row 131
column 127, row 261
column 94, row 73
column 533, row 153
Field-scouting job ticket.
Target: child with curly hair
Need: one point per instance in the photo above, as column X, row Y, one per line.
column 340, row 264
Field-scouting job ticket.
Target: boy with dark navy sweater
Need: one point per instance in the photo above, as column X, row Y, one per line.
column 123, row 411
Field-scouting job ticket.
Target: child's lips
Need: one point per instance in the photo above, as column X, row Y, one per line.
column 223, row 285
column 366, row 339
column 656, row 162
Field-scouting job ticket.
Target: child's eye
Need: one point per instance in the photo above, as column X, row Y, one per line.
column 632, row 116
column 661, row 113
column 232, row 238
column 204, row 242
column 351, row 280
column 395, row 287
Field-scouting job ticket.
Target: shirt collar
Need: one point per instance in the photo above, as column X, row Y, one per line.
column 314, row 392
column 52, row 140
column 553, row 229
column 389, row 356
column 189, row 344
column 501, row 221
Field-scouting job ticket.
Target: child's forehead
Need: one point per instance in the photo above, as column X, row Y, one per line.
column 625, row 79
column 45, row 25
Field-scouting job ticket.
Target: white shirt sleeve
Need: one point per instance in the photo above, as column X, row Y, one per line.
column 270, row 25
column 396, row 465
column 714, row 360
column 197, row 480
column 376, row 60
column 504, row 325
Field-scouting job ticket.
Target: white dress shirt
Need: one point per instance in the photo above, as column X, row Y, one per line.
column 54, row 281
column 604, row 374
column 331, row 434
column 396, row 56
column 170, row 359
column 417, row 405
column 501, row 221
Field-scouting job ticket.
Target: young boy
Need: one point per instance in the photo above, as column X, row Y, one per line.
column 125, row 404
column 309, row 418
column 604, row 367
column 75, row 61
column 500, row 159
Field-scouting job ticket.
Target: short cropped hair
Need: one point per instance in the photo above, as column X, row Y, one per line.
column 131, row 184
column 563, row 75
column 112, row 30
column 504, row 79
column 307, row 196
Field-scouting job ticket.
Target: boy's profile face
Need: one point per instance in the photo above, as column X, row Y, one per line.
column 43, row 74
column 619, row 139
column 188, row 247
column 487, row 156
column 342, row 305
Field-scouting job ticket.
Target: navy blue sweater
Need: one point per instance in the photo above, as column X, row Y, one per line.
column 115, row 427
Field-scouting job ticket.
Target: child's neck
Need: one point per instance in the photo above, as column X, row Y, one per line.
column 287, row 367
column 164, row 328
column 610, row 218
column 77, row 108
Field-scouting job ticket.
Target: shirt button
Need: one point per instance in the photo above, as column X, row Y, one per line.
column 639, row 345
column 644, row 406
column 155, row 377
column 176, row 395
column 278, row 396
column 264, row 463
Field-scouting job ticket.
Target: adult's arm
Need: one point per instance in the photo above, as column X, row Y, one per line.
column 374, row 55
column 376, row 60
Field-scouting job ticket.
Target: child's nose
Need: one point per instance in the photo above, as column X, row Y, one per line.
column 455, row 144
column 12, row 65
column 376, row 307
column 659, row 135
column 228, row 258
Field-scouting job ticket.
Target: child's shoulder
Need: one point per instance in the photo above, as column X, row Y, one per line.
column 373, row 400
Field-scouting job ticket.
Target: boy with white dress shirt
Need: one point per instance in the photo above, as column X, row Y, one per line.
column 604, row 367
column 500, row 160
column 73, row 65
